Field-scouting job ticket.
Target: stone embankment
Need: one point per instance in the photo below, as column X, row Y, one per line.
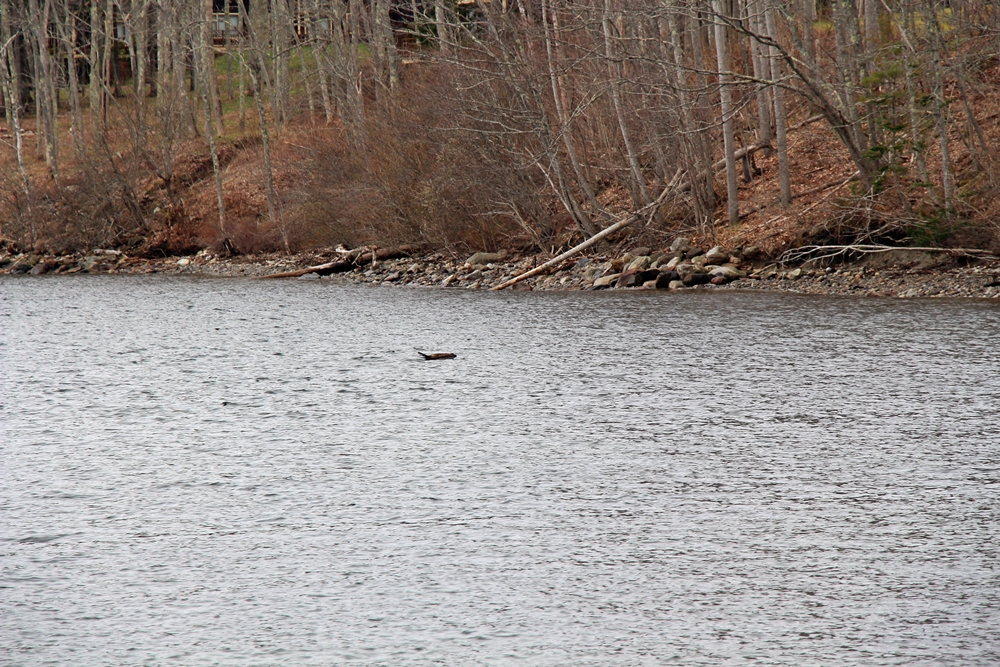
column 682, row 266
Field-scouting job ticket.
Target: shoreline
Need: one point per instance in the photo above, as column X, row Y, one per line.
column 900, row 274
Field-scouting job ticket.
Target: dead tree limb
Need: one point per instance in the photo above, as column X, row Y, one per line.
column 351, row 259
column 322, row 269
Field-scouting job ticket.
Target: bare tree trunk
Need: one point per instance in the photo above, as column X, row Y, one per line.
column 6, row 45
column 210, row 78
column 985, row 156
column 595, row 208
column 725, row 95
column 281, row 44
column 227, row 33
column 96, row 88
column 354, row 91
column 761, row 71
column 442, row 27
column 255, row 68
column 871, row 32
column 208, row 102
column 947, row 177
column 11, row 84
column 109, row 45
column 241, row 83
column 640, row 195
column 270, row 193
column 780, row 121
column 809, row 30
column 845, row 22
column 140, row 31
column 45, row 88
column 385, row 46
column 179, row 51
column 321, row 44
column 67, row 32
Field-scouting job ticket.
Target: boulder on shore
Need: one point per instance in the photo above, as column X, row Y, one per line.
column 696, row 279
column 727, row 271
column 486, row 257
column 606, row 281
column 681, row 244
column 628, row 279
column 640, row 263
column 716, row 256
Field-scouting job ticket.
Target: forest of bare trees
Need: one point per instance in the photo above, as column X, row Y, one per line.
column 253, row 125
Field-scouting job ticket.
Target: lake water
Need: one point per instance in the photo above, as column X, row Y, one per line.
column 239, row 472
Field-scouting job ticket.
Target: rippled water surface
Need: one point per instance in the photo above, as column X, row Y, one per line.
column 242, row 472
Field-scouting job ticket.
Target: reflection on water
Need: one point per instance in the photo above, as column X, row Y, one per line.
column 239, row 472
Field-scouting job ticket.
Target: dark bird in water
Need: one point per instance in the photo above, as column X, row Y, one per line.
column 437, row 355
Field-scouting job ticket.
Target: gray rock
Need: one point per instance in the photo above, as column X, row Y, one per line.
column 43, row 267
column 583, row 263
column 676, row 284
column 607, row 281
column 686, row 269
column 751, row 252
column 20, row 267
column 727, row 271
column 716, row 256
column 640, row 263
column 692, row 253
column 486, row 257
column 629, row 278
column 90, row 263
column 639, row 252
column 672, row 264
column 681, row 244
column 449, row 280
column 794, row 274
column 309, row 276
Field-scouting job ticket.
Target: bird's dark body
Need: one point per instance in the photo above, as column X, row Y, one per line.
column 437, row 355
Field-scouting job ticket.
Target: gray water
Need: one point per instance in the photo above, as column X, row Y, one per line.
column 243, row 472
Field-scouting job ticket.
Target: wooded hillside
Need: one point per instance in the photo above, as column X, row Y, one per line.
column 163, row 126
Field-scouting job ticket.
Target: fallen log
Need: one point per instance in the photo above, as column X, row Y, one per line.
column 327, row 269
column 350, row 260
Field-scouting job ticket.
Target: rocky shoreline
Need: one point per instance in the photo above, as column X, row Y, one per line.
column 681, row 267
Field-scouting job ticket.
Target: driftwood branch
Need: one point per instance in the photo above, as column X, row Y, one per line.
column 327, row 269
column 599, row 236
column 352, row 259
